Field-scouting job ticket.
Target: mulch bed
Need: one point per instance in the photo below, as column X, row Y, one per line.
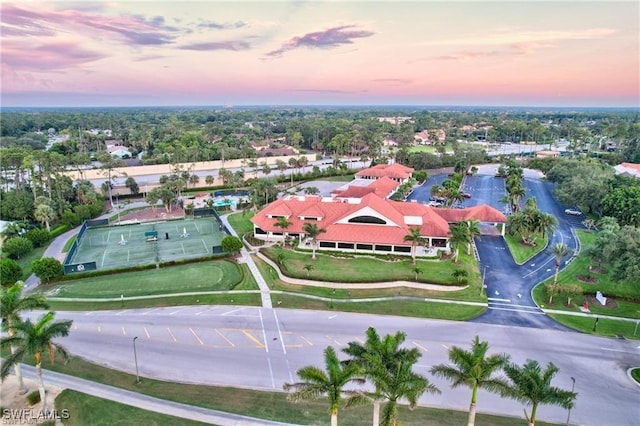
column 611, row 304
column 149, row 214
column 588, row 279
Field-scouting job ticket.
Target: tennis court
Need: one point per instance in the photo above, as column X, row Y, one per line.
column 150, row 242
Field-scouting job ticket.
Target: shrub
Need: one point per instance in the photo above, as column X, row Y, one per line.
column 17, row 247
column 70, row 219
column 59, row 230
column 38, row 236
column 10, row 271
column 33, row 398
column 231, row 244
column 47, row 269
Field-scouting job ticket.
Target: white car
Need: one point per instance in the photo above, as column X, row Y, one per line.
column 573, row 212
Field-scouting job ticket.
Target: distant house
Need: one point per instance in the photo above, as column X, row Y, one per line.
column 397, row 172
column 546, row 154
column 424, row 138
column 628, row 169
column 395, row 120
column 117, row 149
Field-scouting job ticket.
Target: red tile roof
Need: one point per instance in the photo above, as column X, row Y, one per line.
column 396, row 170
column 631, row 166
column 482, row 213
column 382, row 187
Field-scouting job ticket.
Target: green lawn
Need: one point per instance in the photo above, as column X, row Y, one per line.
column 362, row 269
column 251, row 299
column 407, row 308
column 204, row 276
column 85, row 409
column 610, row 288
column 605, row 326
column 635, row 373
column 522, row 253
column 26, row 261
column 241, row 222
column 265, row 405
column 69, row 243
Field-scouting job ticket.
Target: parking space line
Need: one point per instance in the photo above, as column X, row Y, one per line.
column 124, row 333
column 196, row 336
column 146, row 332
column 99, row 329
column 306, row 340
column 225, row 338
column 421, row 347
column 171, row 334
column 258, row 343
column 444, row 346
column 334, row 340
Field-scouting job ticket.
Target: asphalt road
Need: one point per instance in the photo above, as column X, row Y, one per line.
column 509, row 285
column 263, row 348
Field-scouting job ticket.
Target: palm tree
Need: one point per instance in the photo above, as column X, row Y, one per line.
column 472, row 230
column 317, row 383
column 308, row 267
column 473, row 369
column 44, row 214
column 395, row 381
column 417, row 271
column 533, row 386
column 12, row 304
column 34, row 339
column 283, row 223
column 458, row 237
column 415, row 238
column 559, row 250
column 377, row 355
column 453, row 195
column 312, row 231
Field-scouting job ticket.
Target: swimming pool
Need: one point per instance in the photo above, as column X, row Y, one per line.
column 223, row 203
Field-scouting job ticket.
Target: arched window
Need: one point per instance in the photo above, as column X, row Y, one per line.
column 367, row 219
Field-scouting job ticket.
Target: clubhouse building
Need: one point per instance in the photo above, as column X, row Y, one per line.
column 362, row 219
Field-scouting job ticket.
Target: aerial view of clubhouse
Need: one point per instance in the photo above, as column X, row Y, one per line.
column 360, row 217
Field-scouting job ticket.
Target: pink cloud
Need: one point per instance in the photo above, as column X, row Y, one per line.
column 48, row 56
column 332, row 37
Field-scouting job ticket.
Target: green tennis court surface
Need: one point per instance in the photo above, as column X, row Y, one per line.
column 150, row 242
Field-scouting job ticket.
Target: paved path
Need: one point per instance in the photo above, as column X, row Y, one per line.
column 246, row 258
column 144, row 401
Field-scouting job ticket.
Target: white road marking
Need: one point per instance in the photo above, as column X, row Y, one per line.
column 498, row 300
column 232, row 311
column 149, row 311
column 516, row 310
column 171, row 334
column 196, row 336
column 421, row 347
column 225, row 338
column 124, row 333
column 99, row 329
column 175, row 312
column 146, row 332
column 273, row 382
column 306, row 340
column 333, row 316
column 444, row 346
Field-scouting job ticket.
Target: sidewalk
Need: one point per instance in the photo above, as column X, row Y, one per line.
column 143, row 401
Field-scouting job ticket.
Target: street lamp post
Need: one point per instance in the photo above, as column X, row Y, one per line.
column 135, row 357
column 573, row 386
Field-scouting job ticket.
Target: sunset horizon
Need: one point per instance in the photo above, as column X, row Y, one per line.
column 342, row 53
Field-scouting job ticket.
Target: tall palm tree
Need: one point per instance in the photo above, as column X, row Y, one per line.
column 330, row 382
column 34, row 339
column 559, row 250
column 533, row 386
column 453, row 195
column 12, row 304
column 283, row 223
column 472, row 230
column 473, row 369
column 44, row 214
column 415, row 238
column 458, row 237
column 375, row 354
column 395, row 381
column 312, row 230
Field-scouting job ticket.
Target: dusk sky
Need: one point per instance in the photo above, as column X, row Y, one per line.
column 512, row 53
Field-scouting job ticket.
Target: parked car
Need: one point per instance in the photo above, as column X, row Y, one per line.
column 573, row 212
column 466, row 195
